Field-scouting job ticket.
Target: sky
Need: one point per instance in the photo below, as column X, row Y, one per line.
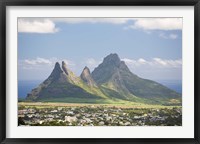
column 151, row 47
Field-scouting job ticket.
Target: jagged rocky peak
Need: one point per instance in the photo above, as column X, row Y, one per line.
column 112, row 58
column 111, row 79
column 64, row 67
column 86, row 77
column 110, row 65
column 56, row 71
column 57, row 67
column 86, row 71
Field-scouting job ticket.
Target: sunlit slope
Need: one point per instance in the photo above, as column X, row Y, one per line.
column 110, row 82
column 63, row 83
column 118, row 81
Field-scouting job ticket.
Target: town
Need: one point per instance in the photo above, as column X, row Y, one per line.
column 98, row 116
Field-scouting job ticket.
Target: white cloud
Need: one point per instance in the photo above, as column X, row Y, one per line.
column 138, row 23
column 93, row 20
column 41, row 63
column 168, row 63
column 160, row 61
column 69, row 62
column 37, row 61
column 36, row 26
column 170, row 36
column 92, row 63
column 47, row 64
column 156, row 68
column 163, row 35
column 47, row 25
column 142, row 61
column 157, row 24
column 173, row 36
column 155, row 62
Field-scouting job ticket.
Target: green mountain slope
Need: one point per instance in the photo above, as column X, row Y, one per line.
column 115, row 77
column 110, row 82
column 62, row 83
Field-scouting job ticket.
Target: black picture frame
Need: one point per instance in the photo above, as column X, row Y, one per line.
column 5, row 3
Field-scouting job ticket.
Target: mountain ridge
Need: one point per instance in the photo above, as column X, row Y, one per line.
column 110, row 80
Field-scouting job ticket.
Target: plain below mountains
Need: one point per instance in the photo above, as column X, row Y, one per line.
column 110, row 82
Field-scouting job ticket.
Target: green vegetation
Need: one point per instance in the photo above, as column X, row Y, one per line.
column 110, row 83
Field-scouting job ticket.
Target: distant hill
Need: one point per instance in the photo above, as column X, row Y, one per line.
column 110, row 81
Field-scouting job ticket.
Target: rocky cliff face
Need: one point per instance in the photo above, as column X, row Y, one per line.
column 87, row 78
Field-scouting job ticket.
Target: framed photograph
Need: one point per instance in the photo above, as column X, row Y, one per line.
column 99, row 71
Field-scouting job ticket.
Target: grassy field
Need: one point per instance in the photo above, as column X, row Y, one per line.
column 120, row 104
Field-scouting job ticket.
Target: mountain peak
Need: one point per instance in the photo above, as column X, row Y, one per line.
column 63, row 63
column 86, row 77
column 112, row 55
column 64, row 67
column 56, row 71
column 57, row 68
column 110, row 65
column 111, row 79
column 86, row 70
column 112, row 58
